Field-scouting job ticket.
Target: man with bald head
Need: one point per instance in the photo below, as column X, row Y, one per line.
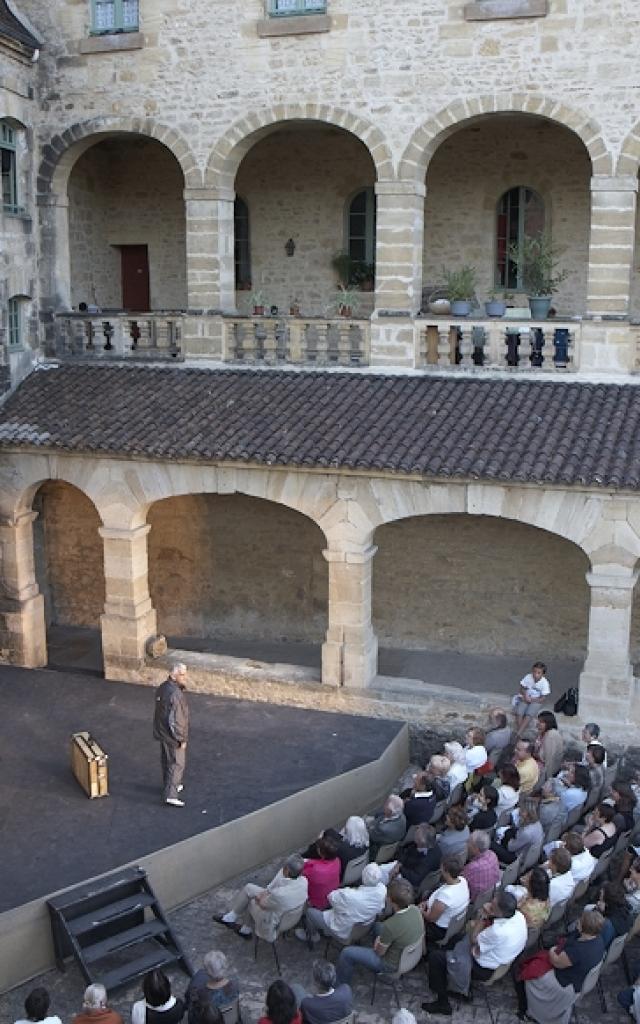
column 171, row 728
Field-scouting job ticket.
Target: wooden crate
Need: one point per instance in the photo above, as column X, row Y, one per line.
column 89, row 765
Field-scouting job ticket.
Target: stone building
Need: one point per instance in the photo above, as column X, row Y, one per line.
column 171, row 165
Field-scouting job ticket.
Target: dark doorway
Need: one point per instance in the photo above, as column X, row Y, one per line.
column 135, row 277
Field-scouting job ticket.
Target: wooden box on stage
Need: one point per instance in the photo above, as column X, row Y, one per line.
column 89, row 765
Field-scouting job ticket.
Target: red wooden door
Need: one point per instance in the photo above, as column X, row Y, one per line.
column 135, row 277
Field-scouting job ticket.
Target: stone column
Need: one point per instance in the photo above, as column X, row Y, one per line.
column 23, row 638
column 399, row 238
column 129, row 618
column 350, row 652
column 606, row 681
column 55, row 263
column 210, row 268
column 611, row 244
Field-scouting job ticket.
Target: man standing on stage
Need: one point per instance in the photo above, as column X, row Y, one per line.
column 171, row 727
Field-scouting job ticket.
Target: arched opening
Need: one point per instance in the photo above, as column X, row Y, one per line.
column 500, row 591
column 297, row 180
column 70, row 572
column 483, row 166
column 127, row 234
column 240, row 576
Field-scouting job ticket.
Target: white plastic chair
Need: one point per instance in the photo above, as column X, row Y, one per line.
column 409, row 958
column 456, row 924
column 386, row 853
column 354, row 869
column 614, row 952
column 231, row 1013
column 288, row 921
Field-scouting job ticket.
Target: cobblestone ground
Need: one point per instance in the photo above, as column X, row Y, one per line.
column 199, row 934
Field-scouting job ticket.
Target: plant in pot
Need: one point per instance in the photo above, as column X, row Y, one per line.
column 495, row 307
column 537, row 262
column 258, row 303
column 345, row 303
column 461, row 289
column 294, row 308
column 353, row 273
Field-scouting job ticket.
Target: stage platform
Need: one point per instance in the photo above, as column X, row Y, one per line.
column 242, row 757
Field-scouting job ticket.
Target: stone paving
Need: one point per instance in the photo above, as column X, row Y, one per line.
column 199, row 934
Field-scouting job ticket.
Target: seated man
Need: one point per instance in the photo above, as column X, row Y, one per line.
column 419, row 808
column 498, row 735
column 402, row 929
column 526, row 766
column 95, row 1009
column 347, row 907
column 582, row 862
column 210, row 986
column 482, row 870
column 481, row 808
column 561, row 882
column 329, row 1003
column 491, row 947
column 388, row 827
column 263, row 908
column 594, row 762
column 417, row 859
column 591, row 735
column 438, row 769
column 526, row 704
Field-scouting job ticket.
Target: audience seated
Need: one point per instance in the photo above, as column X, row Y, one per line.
column 455, row 837
column 159, row 1006
column 594, row 762
column 347, row 907
column 281, row 1005
column 550, row 809
column 475, row 752
column 615, row 911
column 458, row 772
column 211, row 984
column 350, row 843
column 482, row 870
column 481, row 808
column 497, row 937
column 624, row 802
column 330, row 1002
column 573, row 787
column 390, row 826
column 36, row 1008
column 263, row 908
column 419, row 807
column 548, row 747
column 550, row 998
column 534, row 687
column 518, row 840
column 508, row 789
column 498, row 734
column 527, row 766
column 438, row 769
column 95, row 1009
column 417, row 859
column 447, row 901
column 582, row 861
column 600, row 833
column 533, row 897
column 322, row 873
column 591, row 735
column 402, row 929
column 561, row 883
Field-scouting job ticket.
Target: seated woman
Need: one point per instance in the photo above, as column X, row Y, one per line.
column 517, row 841
column 613, row 906
column 550, row 810
column 551, row 997
column 548, row 747
column 475, row 752
column 449, row 900
column 573, row 787
column 350, row 843
column 158, row 1005
column 454, row 839
column 281, row 1005
column 458, row 772
column 508, row 789
column 438, row 769
column 624, row 801
column 600, row 833
column 322, row 873
column 36, row 1007
column 481, row 808
column 211, row 984
column 533, row 897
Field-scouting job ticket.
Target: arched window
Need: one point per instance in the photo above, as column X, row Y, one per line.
column 361, row 226
column 242, row 251
column 520, row 216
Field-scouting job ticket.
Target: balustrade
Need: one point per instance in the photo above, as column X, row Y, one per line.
column 497, row 344
column 296, row 340
column 119, row 335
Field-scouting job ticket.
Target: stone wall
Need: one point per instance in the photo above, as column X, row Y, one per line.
column 230, row 566
column 481, row 585
column 127, row 193
column 70, row 562
column 297, row 184
column 475, row 167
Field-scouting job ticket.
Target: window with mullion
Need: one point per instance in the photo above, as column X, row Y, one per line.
column 520, row 215
column 8, row 165
column 115, row 16
column 292, row 7
column 15, row 326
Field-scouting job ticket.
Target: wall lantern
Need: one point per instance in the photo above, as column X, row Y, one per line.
column 290, row 247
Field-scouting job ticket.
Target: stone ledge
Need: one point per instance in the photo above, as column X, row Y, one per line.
column 298, row 25
column 492, row 10
column 111, row 43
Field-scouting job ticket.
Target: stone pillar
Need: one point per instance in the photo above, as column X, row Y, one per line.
column 210, row 268
column 23, row 638
column 399, row 238
column 129, row 618
column 55, row 262
column 606, row 680
column 611, row 245
column 350, row 652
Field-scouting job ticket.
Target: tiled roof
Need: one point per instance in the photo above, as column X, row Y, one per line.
column 11, row 27
column 489, row 429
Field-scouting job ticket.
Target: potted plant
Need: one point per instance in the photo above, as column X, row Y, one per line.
column 345, row 302
column 461, row 289
column 294, row 308
column 258, row 303
column 353, row 272
column 537, row 261
column 495, row 307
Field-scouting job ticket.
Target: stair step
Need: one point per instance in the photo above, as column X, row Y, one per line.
column 142, row 932
column 110, row 912
column 101, row 889
column 160, row 957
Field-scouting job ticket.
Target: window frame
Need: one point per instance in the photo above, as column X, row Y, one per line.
column 522, row 190
column 14, row 324
column 241, row 261
column 300, row 9
column 118, row 18
column 8, row 145
column 370, row 223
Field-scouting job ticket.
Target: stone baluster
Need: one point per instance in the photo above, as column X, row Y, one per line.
column 344, row 343
column 296, row 330
column 76, row 336
column 494, row 345
column 270, row 343
column 466, row 346
column 322, row 330
column 444, row 346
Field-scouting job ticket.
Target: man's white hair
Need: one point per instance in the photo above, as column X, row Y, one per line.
column 177, row 667
column 372, row 874
column 355, row 831
column 395, row 804
column 454, row 752
column 95, row 997
column 403, row 1017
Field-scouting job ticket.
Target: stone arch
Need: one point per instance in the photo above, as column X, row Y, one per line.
column 629, row 159
column 429, row 136
column 241, row 136
column 61, row 152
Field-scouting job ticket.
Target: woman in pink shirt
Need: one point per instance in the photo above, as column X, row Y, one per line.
column 322, row 873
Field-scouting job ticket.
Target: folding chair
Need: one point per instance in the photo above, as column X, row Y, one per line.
column 455, row 795
column 531, row 857
column 580, row 889
column 510, row 874
column 439, row 812
column 409, row 958
column 386, row 853
column 574, row 817
column 479, row 902
column 485, row 985
column 287, row 922
column 588, row 985
column 456, row 924
column 231, row 1013
column 354, row 869
column 614, row 952
column 555, row 830
column 428, row 884
column 603, row 864
column 357, row 934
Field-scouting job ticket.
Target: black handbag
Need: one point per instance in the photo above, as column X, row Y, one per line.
column 567, row 704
